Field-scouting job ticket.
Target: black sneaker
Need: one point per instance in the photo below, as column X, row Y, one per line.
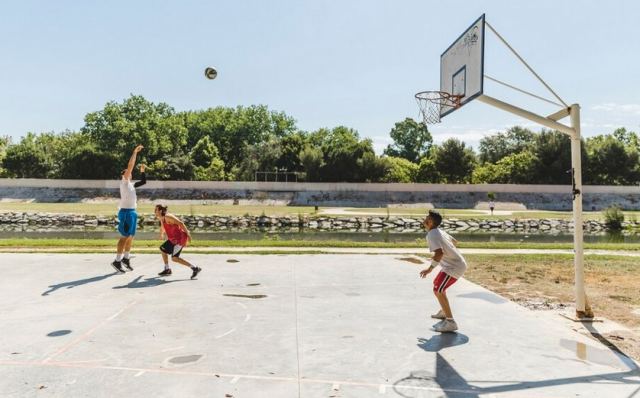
column 196, row 271
column 127, row 263
column 166, row 272
column 118, row 267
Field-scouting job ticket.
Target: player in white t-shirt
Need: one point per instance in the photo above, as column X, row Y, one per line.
column 452, row 265
column 127, row 216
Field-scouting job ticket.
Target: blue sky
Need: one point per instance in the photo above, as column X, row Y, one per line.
column 326, row 63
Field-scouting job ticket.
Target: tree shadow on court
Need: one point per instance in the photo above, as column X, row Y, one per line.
column 79, row 282
column 442, row 340
column 138, row 283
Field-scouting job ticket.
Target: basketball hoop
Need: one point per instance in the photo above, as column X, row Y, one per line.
column 431, row 104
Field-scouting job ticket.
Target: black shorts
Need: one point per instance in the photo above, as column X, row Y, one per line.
column 171, row 249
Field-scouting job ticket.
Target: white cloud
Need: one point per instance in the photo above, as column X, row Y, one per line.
column 633, row 109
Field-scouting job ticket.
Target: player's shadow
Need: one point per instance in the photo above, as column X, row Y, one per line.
column 138, row 283
column 79, row 282
column 442, row 340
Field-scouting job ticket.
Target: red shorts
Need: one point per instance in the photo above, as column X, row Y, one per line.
column 442, row 282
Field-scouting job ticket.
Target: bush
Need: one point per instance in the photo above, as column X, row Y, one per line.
column 613, row 218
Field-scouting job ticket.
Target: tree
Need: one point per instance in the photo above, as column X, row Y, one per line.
column 553, row 150
column 119, row 127
column 517, row 168
column 29, row 159
column 4, row 144
column 427, row 172
column 400, row 170
column 207, row 164
column 342, row 149
column 454, row 161
column 611, row 162
column 232, row 129
column 262, row 156
column 87, row 162
column 497, row 146
column 312, row 161
column 411, row 140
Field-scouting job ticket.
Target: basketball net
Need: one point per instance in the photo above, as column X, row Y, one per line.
column 431, row 104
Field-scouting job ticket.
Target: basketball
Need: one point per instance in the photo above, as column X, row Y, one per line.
column 210, row 73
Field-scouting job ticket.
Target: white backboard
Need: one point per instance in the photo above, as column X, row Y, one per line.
column 462, row 66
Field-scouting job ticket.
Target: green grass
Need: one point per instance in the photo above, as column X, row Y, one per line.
column 8, row 244
column 110, row 209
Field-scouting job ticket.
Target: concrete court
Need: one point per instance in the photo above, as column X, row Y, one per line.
column 329, row 326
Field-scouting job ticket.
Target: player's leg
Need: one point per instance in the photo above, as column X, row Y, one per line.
column 131, row 226
column 165, row 249
column 440, row 285
column 176, row 258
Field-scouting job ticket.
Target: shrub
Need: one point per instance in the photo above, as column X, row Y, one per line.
column 613, row 218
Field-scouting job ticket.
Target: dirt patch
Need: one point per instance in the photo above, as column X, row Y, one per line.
column 233, row 260
column 546, row 283
column 411, row 260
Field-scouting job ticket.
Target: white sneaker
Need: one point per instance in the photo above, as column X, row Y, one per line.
column 449, row 325
column 439, row 315
column 435, row 325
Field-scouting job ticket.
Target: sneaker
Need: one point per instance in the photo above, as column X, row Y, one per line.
column 196, row 271
column 439, row 315
column 127, row 263
column 447, row 326
column 437, row 324
column 166, row 272
column 118, row 267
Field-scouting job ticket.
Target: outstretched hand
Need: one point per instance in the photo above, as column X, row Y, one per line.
column 425, row 272
column 138, row 149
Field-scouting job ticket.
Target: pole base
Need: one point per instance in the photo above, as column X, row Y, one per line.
column 580, row 317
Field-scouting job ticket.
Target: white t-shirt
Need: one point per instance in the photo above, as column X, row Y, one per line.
column 128, row 197
column 452, row 262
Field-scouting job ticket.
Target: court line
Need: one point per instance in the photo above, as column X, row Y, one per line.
column 88, row 333
column 231, row 375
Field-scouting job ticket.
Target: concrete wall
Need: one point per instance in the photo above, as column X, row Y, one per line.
column 547, row 197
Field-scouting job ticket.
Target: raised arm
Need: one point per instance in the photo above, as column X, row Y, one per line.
column 132, row 162
column 143, row 177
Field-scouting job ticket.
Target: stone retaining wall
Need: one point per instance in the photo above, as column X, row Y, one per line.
column 368, row 223
column 452, row 196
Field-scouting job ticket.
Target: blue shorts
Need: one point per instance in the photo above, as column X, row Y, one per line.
column 127, row 222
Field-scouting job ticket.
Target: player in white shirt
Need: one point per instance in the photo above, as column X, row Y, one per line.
column 127, row 216
column 452, row 265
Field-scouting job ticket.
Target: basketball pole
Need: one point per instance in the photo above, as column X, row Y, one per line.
column 582, row 307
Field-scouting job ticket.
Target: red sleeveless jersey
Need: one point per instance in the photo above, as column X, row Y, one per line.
column 175, row 234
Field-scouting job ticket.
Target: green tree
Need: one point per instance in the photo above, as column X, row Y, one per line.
column 4, row 144
column 517, row 168
column 427, row 172
column 232, row 129
column 312, row 161
column 262, row 156
column 411, row 140
column 31, row 158
column 87, row 162
column 400, row 170
column 119, row 127
column 454, row 161
column 553, row 151
column 342, row 149
column 612, row 161
column 497, row 146
column 207, row 164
